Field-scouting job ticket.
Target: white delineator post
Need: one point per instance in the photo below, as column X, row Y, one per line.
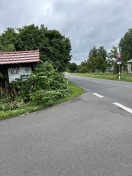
column 119, row 63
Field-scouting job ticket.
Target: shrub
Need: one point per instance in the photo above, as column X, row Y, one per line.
column 45, row 85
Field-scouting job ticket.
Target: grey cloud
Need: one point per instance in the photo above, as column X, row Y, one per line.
column 87, row 23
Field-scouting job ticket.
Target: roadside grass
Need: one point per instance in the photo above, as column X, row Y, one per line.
column 17, row 112
column 111, row 76
column 74, row 92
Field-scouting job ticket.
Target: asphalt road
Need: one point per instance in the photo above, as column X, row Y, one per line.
column 118, row 91
column 87, row 136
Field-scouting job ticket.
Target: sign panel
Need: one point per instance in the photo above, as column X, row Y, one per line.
column 17, row 72
column 118, row 59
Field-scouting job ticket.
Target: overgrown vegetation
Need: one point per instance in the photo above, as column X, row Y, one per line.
column 7, row 111
column 47, row 84
column 43, row 88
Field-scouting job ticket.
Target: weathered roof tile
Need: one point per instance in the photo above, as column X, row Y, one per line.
column 19, row 57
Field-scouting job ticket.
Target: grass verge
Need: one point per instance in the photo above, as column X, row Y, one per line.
column 74, row 92
column 123, row 77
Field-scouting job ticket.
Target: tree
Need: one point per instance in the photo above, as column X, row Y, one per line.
column 59, row 49
column 125, row 46
column 101, row 64
column 92, row 64
column 83, row 67
column 8, row 40
column 53, row 46
column 93, row 52
column 112, row 56
column 73, row 67
column 102, row 52
column 113, row 53
column 97, row 59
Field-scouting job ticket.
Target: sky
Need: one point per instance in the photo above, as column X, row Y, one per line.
column 86, row 23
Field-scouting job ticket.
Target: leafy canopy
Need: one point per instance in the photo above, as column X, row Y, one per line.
column 53, row 46
column 96, row 60
column 44, row 86
column 125, row 46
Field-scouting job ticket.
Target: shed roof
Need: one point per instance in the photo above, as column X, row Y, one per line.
column 19, row 57
column 129, row 61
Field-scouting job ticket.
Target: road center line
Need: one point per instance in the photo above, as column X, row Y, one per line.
column 123, row 107
column 98, row 95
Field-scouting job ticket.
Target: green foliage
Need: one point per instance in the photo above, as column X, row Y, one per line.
column 101, row 52
column 111, row 57
column 53, row 46
column 47, row 97
column 44, row 86
column 73, row 67
column 93, row 52
column 125, row 46
column 10, row 105
column 96, row 61
column 1, row 75
column 113, row 53
column 89, row 65
column 83, row 69
column 92, row 63
column 28, row 107
column 101, row 63
column 110, row 76
column 8, row 40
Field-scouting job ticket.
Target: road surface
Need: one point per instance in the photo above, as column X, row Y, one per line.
column 117, row 91
column 87, row 136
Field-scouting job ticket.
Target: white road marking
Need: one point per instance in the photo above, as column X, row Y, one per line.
column 123, row 107
column 98, row 95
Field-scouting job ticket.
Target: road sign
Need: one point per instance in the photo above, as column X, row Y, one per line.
column 118, row 59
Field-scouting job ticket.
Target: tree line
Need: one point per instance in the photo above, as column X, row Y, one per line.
column 55, row 47
column 101, row 60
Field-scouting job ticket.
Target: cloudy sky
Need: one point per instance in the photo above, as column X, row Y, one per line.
column 87, row 23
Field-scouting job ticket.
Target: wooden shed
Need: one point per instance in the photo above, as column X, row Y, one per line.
column 15, row 64
column 12, row 64
column 129, row 66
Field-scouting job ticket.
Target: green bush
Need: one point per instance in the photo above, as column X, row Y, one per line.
column 47, row 97
column 44, row 86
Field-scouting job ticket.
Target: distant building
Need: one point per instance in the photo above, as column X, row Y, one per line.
column 129, row 66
